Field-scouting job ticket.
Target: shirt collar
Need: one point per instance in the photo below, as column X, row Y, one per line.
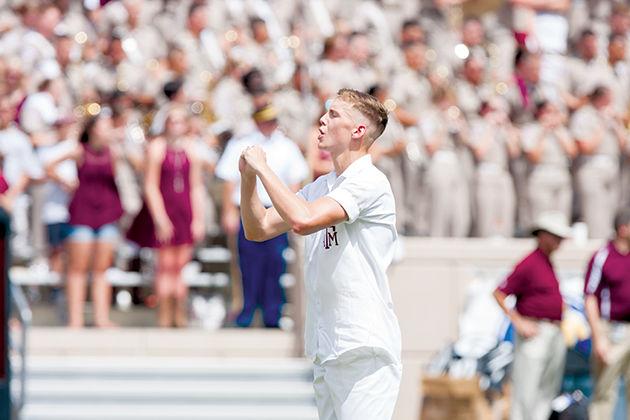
column 356, row 166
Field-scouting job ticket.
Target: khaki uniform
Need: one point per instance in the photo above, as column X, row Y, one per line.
column 606, row 378
column 392, row 167
column 521, row 113
column 334, row 75
column 549, row 180
column 495, row 199
column 617, row 78
column 470, row 97
column 583, row 76
column 296, row 115
column 597, row 174
column 412, row 92
column 205, row 56
column 448, row 195
column 538, row 363
column 233, row 106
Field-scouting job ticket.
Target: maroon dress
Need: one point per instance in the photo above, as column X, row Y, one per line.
column 96, row 202
column 175, row 191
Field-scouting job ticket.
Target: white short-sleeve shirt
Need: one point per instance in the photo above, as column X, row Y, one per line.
column 349, row 303
column 283, row 157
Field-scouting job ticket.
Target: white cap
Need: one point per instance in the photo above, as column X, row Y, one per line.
column 554, row 222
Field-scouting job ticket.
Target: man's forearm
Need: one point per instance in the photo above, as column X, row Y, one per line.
column 287, row 204
column 252, row 209
column 592, row 315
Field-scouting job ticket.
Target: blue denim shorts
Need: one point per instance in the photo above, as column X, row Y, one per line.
column 58, row 233
column 106, row 233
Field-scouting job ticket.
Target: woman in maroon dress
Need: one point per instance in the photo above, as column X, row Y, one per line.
column 172, row 218
column 94, row 212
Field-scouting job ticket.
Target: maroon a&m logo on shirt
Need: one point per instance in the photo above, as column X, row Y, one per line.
column 330, row 237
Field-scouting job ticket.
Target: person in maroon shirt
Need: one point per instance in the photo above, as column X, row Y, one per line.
column 539, row 349
column 607, row 305
column 95, row 209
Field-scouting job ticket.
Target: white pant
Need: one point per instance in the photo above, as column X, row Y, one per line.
column 537, row 372
column 360, row 384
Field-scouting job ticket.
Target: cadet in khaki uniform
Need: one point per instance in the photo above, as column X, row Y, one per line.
column 583, row 70
column 539, row 349
column 411, row 91
column 600, row 138
column 410, row 87
column 549, row 149
column 471, row 88
column 444, row 130
column 494, row 141
column 389, row 155
column 607, row 304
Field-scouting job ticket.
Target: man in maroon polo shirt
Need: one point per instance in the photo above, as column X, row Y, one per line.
column 539, row 349
column 607, row 304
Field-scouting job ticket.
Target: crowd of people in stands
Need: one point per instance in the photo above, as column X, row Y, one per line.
column 115, row 114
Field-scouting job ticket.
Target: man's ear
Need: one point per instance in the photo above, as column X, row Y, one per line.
column 359, row 131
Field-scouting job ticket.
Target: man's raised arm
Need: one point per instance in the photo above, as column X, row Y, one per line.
column 300, row 216
column 259, row 223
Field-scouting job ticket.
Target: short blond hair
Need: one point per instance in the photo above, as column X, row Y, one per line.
column 369, row 106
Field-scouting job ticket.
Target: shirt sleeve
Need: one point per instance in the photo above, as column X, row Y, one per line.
column 594, row 273
column 364, row 197
column 513, row 284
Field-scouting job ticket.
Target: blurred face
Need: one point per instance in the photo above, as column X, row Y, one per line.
column 548, row 242
column 339, row 127
column 7, row 113
column 101, row 131
column 617, row 50
column 604, row 100
column 134, row 8
column 588, row 47
column 473, row 71
column 267, row 127
column 64, row 48
column 359, row 49
column 473, row 33
column 176, row 123
column 178, row 61
column 414, row 57
column 619, row 23
column 260, row 33
column 623, row 232
column 116, row 51
column 48, row 20
column 411, row 34
column 530, row 69
column 197, row 21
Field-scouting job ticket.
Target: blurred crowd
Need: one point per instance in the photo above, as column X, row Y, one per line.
column 499, row 110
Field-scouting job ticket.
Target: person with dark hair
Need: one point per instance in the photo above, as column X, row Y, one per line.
column 539, row 349
column 172, row 219
column 348, row 218
column 607, row 306
column 601, row 139
column 550, row 150
column 95, row 209
column 584, row 68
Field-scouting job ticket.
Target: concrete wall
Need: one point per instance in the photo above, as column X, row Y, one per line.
column 428, row 288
